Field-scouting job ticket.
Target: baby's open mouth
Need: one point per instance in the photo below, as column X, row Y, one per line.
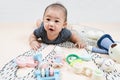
column 51, row 29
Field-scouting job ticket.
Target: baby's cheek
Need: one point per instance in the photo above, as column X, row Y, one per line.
column 46, row 27
column 59, row 29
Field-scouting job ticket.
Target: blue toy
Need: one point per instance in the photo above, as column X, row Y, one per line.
column 44, row 72
column 104, row 43
column 107, row 45
column 56, row 75
column 85, row 57
column 38, row 57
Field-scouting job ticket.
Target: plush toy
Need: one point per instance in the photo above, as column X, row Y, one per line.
column 107, row 45
column 105, row 64
column 94, row 35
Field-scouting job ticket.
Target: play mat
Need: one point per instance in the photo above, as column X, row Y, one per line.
column 9, row 71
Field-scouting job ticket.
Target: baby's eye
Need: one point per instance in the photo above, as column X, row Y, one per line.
column 48, row 19
column 56, row 21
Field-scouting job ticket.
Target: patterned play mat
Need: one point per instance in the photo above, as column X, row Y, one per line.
column 8, row 72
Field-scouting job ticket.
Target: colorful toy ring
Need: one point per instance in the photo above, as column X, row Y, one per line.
column 70, row 58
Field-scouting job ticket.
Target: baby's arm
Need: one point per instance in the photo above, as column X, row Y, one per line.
column 33, row 42
column 76, row 39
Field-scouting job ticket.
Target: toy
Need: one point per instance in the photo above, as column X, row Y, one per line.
column 56, row 62
column 84, row 57
column 82, row 67
column 24, row 61
column 94, row 34
column 107, row 45
column 25, row 65
column 45, row 71
column 59, row 57
column 98, row 75
column 29, row 61
column 78, row 65
column 105, row 64
column 38, row 57
column 56, row 75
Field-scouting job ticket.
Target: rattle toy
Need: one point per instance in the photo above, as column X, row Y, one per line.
column 82, row 67
column 78, row 65
column 25, row 65
column 24, row 61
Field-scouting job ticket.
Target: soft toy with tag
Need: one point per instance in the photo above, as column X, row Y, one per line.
column 105, row 64
column 107, row 45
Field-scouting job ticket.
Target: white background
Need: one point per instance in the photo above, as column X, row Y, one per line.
column 78, row 10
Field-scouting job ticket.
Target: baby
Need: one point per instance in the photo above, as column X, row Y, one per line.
column 52, row 29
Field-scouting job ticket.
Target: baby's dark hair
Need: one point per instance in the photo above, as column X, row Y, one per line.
column 57, row 5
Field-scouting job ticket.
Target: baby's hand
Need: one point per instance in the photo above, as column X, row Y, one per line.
column 80, row 45
column 35, row 45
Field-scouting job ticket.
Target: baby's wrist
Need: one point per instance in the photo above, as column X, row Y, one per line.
column 31, row 42
column 78, row 42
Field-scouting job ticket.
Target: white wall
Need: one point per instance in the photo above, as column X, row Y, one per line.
column 78, row 10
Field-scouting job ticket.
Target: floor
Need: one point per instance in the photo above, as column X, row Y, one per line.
column 13, row 40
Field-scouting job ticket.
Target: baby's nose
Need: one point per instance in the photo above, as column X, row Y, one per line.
column 51, row 23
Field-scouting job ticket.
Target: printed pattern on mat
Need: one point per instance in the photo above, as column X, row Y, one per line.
column 113, row 75
column 8, row 72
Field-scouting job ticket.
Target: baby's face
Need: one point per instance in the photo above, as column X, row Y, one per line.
column 54, row 21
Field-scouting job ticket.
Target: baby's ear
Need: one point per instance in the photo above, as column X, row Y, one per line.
column 65, row 25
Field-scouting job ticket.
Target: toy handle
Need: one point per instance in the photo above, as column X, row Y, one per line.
column 70, row 56
column 98, row 50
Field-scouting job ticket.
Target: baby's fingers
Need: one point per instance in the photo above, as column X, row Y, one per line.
column 36, row 46
column 80, row 46
column 77, row 45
